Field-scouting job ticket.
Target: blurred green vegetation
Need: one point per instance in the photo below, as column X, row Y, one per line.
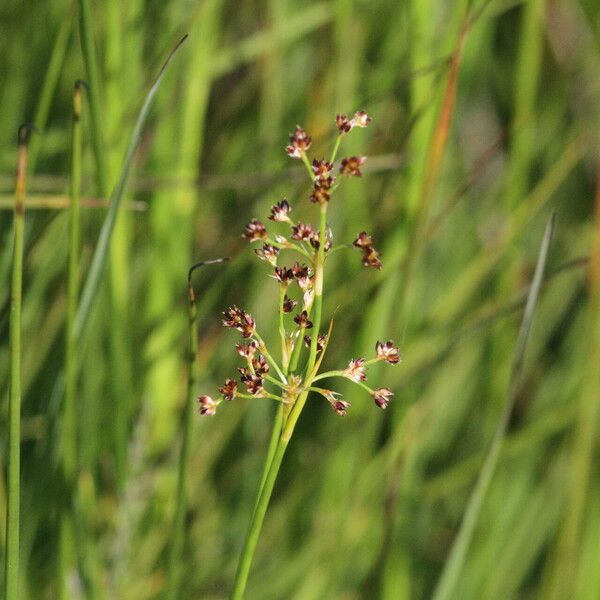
column 485, row 118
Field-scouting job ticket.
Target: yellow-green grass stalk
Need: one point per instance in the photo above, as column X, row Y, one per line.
column 454, row 565
column 68, row 545
column 93, row 79
column 11, row 571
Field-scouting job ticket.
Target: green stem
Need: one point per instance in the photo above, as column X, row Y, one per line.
column 70, row 424
column 275, row 381
column 11, row 576
column 307, row 165
column 318, row 301
column 277, row 450
column 264, row 495
column 91, row 67
column 175, row 560
column 275, row 433
column 336, row 146
column 297, row 349
column 262, row 348
column 68, row 555
column 285, row 359
column 289, row 246
column 329, row 374
column 341, row 374
column 266, row 396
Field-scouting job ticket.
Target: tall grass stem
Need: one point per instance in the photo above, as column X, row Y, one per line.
column 11, row 575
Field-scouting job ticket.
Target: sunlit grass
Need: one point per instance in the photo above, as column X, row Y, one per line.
column 485, row 120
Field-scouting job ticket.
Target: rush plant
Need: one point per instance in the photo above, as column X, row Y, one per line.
column 289, row 378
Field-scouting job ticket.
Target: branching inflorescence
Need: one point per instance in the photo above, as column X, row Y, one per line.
column 303, row 344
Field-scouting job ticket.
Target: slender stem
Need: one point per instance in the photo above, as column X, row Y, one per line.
column 272, row 464
column 178, row 529
column 340, row 247
column 289, row 246
column 70, row 451
column 297, row 348
column 336, row 146
column 11, row 577
column 329, row 374
column 285, row 359
column 275, row 433
column 70, row 424
column 174, row 575
column 307, row 165
column 275, row 381
column 262, row 347
column 318, row 301
column 266, row 489
column 91, row 66
column 266, row 396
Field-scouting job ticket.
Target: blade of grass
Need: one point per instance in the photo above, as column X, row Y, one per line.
column 68, row 560
column 91, row 66
column 53, row 72
column 563, row 580
column 100, row 253
column 11, row 576
column 458, row 554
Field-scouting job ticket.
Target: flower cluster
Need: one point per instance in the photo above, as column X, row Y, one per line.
column 371, row 257
column 290, row 379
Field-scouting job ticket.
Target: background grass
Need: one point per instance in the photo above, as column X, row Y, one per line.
column 485, row 119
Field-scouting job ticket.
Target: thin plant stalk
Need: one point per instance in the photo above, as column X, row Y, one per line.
column 175, row 558
column 276, row 451
column 70, row 425
column 91, row 66
column 446, row 585
column 68, row 556
column 11, row 575
column 101, row 251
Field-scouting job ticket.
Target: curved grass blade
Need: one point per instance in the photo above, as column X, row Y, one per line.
column 453, row 567
column 101, row 252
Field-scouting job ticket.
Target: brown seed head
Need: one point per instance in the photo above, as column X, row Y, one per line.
column 321, row 339
column 382, row 397
column 255, row 230
column 361, row 119
column 268, row 253
column 280, row 212
column 341, row 407
column 236, row 318
column 229, row 389
column 356, row 370
column 299, row 143
column 260, row 364
column 352, row 165
column 371, row 258
column 302, row 320
column 252, row 382
column 387, row 352
column 343, row 123
column 314, row 242
column 284, row 275
column 207, row 406
column 288, row 305
column 322, row 168
column 247, row 350
column 363, row 240
column 322, row 190
column 303, row 232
